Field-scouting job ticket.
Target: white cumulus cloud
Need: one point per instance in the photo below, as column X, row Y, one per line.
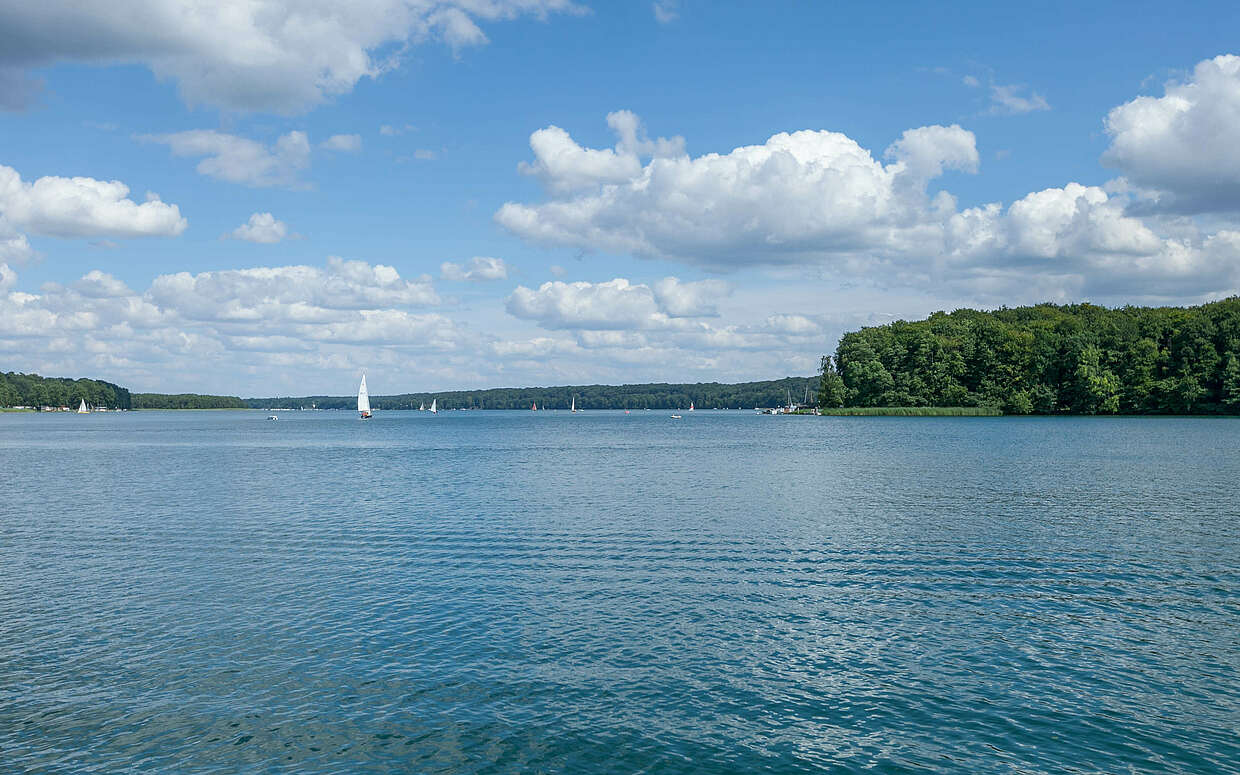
column 262, row 228
column 78, row 207
column 817, row 199
column 798, row 194
column 294, row 293
column 1183, row 144
column 616, row 304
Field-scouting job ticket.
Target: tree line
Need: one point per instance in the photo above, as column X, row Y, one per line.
column 185, row 401
column 1046, row 359
column 703, row 395
column 32, row 390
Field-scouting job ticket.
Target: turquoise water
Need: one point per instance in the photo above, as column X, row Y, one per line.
column 491, row 592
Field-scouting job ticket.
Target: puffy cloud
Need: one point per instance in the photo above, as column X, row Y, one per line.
column 818, row 200
column 801, row 194
column 78, row 207
column 14, row 246
column 616, row 304
column 346, row 143
column 277, row 55
column 565, row 166
column 218, row 330
column 695, row 299
column 262, row 228
column 478, row 269
column 1079, row 241
column 101, row 285
column 1183, row 144
column 239, row 159
column 303, row 294
column 927, row 151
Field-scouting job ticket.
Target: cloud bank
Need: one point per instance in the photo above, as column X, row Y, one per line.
column 815, row 199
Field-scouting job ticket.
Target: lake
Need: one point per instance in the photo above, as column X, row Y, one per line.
column 511, row 592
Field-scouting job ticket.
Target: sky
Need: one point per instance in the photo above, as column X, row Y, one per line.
column 273, row 197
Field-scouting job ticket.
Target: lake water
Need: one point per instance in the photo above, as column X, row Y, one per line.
column 504, row 592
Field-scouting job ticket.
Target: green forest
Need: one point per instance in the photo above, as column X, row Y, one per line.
column 35, row 391
column 1046, row 359
column 185, row 401
column 704, row 395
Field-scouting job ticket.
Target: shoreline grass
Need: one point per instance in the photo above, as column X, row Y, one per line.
column 913, row 411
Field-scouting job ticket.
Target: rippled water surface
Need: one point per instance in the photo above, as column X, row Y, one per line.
column 501, row 592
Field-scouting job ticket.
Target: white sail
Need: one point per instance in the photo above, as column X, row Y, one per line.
column 82, row 408
column 422, row 408
column 574, row 404
column 363, row 398
column 433, row 409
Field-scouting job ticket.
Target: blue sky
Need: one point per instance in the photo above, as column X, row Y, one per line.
column 264, row 198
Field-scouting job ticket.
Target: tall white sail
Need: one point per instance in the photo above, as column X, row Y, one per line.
column 433, row 409
column 82, row 408
column 363, row 398
column 574, row 408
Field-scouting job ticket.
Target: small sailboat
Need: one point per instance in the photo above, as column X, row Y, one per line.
column 433, row 409
column 534, row 407
column 422, row 408
column 363, row 400
column 82, row 408
column 690, row 406
column 573, row 409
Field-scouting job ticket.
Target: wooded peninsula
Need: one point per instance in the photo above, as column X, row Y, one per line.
column 1046, row 359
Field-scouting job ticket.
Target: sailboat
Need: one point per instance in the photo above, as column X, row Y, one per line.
column 433, row 410
column 573, row 409
column 690, row 406
column 363, row 400
column 534, row 407
column 82, row 408
column 422, row 408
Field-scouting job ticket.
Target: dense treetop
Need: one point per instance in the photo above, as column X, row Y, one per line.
column 1047, row 359
column 185, row 401
column 33, row 390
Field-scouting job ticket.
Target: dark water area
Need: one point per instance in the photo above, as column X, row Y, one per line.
column 504, row 592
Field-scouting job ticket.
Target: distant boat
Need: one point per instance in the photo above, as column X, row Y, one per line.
column 433, row 410
column 422, row 408
column 690, row 406
column 534, row 408
column 272, row 417
column 363, row 400
column 675, row 417
column 574, row 406
column 82, row 408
